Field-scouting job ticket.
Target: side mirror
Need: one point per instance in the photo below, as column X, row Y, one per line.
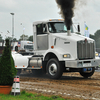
column 78, row 27
column 44, row 28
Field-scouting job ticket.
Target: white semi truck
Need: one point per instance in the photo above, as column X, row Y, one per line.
column 26, row 45
column 58, row 50
column 23, row 47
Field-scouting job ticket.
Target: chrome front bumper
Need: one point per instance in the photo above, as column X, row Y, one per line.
column 82, row 63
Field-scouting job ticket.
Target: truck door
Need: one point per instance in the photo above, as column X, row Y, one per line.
column 42, row 37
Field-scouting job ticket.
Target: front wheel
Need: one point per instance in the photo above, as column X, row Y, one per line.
column 54, row 70
column 87, row 74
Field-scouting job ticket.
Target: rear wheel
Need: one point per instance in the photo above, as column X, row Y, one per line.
column 54, row 69
column 87, row 74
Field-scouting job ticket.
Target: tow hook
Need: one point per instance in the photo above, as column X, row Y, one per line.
column 87, row 69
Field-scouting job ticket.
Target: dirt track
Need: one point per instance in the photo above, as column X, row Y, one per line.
column 70, row 85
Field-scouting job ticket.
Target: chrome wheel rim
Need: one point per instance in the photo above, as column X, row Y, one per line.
column 53, row 69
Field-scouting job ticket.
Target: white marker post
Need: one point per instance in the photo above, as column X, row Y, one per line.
column 16, row 86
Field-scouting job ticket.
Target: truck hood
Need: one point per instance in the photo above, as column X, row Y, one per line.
column 73, row 37
column 71, row 44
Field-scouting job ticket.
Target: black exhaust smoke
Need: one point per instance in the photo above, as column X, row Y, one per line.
column 66, row 12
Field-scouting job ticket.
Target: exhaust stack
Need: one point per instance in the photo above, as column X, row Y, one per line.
column 66, row 11
column 68, row 31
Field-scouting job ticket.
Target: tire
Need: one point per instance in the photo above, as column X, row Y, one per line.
column 54, row 70
column 86, row 75
column 18, row 71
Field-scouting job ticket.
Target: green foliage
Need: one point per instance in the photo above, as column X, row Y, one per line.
column 7, row 67
column 23, row 92
column 92, row 36
column 1, row 38
column 30, row 96
column 96, row 37
column 30, row 38
column 15, row 40
column 9, row 38
column 55, row 97
column 23, row 37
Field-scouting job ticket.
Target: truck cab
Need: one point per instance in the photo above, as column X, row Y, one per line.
column 60, row 51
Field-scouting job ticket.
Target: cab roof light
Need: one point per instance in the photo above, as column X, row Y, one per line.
column 62, row 19
column 50, row 19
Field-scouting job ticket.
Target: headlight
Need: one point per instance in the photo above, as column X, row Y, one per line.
column 96, row 54
column 66, row 56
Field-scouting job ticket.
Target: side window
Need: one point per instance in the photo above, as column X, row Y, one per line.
column 41, row 29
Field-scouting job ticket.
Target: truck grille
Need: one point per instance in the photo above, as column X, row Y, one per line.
column 85, row 50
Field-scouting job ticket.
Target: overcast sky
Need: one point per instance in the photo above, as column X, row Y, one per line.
column 29, row 11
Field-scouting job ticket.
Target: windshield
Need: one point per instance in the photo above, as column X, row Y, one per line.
column 28, row 47
column 58, row 27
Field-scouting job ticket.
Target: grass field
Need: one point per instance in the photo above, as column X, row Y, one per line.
column 29, row 96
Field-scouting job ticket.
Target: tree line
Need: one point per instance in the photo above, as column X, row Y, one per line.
column 22, row 37
column 96, row 37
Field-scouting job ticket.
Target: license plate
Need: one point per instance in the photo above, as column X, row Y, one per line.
column 86, row 64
